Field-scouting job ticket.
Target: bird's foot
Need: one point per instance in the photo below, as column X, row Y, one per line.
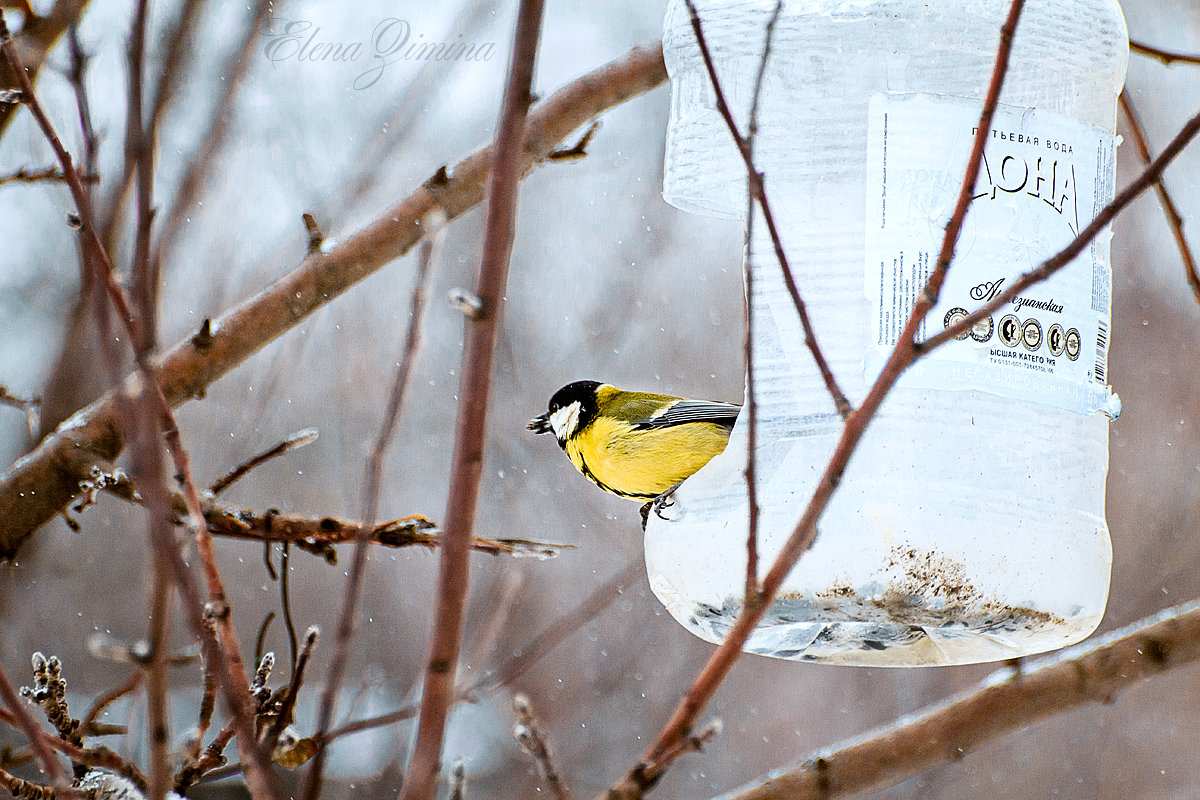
column 658, row 504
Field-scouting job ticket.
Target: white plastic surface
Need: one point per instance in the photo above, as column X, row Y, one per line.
column 969, row 526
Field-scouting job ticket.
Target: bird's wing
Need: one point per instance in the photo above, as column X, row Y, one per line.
column 692, row 411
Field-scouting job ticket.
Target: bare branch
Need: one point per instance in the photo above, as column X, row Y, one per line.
column 1095, row 672
column 1174, row 219
column 1167, row 57
column 39, row 36
column 29, row 406
column 288, row 704
column 531, row 739
column 20, row 715
column 756, row 183
column 1152, row 173
column 372, row 480
column 467, row 459
column 751, row 592
column 155, row 406
column 294, row 442
column 24, row 175
column 34, row 490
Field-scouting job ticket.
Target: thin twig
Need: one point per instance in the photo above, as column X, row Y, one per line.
column 22, row 789
column 100, row 756
column 653, row 763
column 21, row 716
column 112, row 210
column 531, row 739
column 41, row 33
column 24, row 175
column 318, row 535
column 285, row 602
column 46, row 480
column 1152, row 173
column 1167, row 57
column 751, row 592
column 203, row 160
column 294, row 442
column 372, row 480
column 1095, row 672
column 288, row 705
column 526, row 657
column 71, row 176
column 227, row 649
column 33, row 491
column 755, row 181
column 156, row 672
column 102, row 702
column 1174, row 219
column 139, row 150
column 76, row 72
column 467, row 460
column 29, row 406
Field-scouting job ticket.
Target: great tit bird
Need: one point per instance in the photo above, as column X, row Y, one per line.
column 635, row 444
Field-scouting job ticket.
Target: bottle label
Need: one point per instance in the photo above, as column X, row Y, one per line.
column 1043, row 178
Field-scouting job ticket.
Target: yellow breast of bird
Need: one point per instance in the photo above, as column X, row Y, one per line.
column 641, row 465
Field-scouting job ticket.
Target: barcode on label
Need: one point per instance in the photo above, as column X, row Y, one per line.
column 1101, row 352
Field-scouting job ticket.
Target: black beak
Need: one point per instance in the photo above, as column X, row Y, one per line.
column 540, row 424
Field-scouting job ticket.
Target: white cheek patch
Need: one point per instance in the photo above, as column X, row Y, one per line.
column 564, row 420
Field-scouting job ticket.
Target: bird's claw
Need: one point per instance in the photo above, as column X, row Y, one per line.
column 658, row 504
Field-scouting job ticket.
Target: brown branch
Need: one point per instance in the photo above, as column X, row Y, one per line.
column 100, row 756
column 29, row 406
column 24, row 175
column 35, row 489
column 23, row 720
column 317, row 535
column 467, row 459
column 226, row 650
column 527, row 656
column 165, row 91
column 294, row 442
column 1093, row 673
column 751, row 591
column 372, row 480
column 1174, row 219
column 139, row 151
column 1167, row 57
column 38, row 37
column 22, row 789
column 91, row 243
column 89, row 724
column 531, row 739
column 203, row 160
column 755, row 181
column 644, row 775
column 283, row 715
column 1152, row 173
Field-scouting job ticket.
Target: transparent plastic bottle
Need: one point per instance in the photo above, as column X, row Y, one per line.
column 969, row 525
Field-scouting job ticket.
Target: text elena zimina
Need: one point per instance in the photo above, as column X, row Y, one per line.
column 391, row 40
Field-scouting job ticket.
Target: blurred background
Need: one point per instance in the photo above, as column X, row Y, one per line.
column 607, row 282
